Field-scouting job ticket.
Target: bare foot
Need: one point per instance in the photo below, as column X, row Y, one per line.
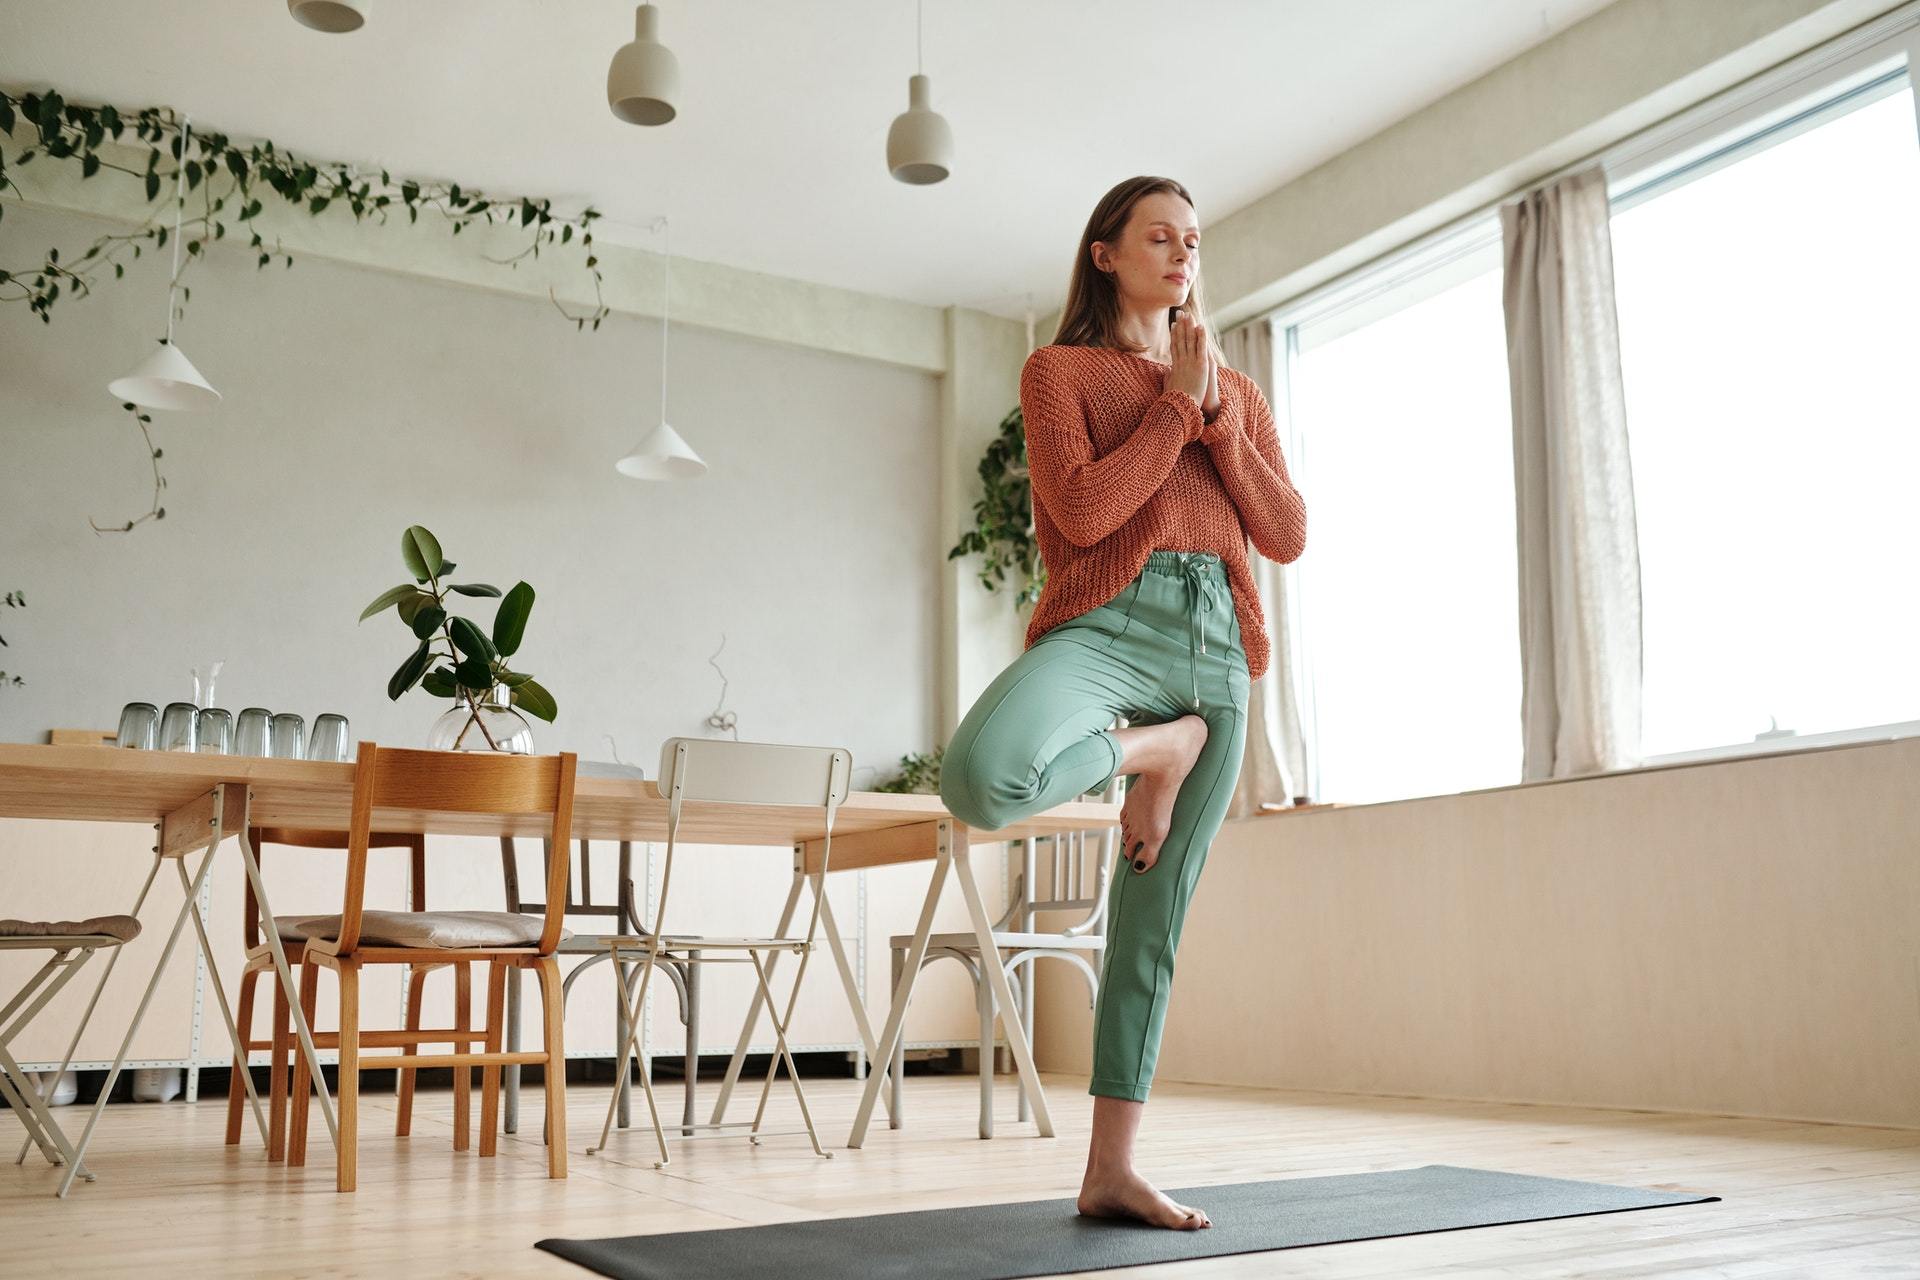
column 1148, row 812
column 1128, row 1195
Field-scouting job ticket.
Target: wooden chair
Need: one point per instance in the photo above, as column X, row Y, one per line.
column 260, row 961
column 443, row 782
column 713, row 773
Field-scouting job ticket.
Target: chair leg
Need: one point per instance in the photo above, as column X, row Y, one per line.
column 514, row 975
column 781, row 1051
column 490, row 1075
column 236, row 1090
column 463, row 1076
column 983, row 1000
column 302, row 1082
column 348, row 1168
column 635, row 1024
column 416, row 991
column 899, row 1045
column 553, row 1004
column 690, row 974
column 277, row 1074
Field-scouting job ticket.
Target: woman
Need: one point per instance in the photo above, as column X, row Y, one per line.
column 1152, row 466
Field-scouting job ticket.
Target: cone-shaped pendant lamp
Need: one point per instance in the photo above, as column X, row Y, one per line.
column 663, row 455
column 919, row 145
column 643, row 80
column 166, row 379
column 332, row 16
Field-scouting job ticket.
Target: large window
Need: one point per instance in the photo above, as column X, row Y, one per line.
column 1404, row 443
column 1767, row 265
column 1769, row 335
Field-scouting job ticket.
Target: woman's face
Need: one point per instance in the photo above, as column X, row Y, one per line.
column 1157, row 255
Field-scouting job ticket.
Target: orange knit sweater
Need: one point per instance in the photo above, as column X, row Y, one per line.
column 1121, row 468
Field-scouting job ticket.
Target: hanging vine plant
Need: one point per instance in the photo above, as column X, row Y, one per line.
column 1003, row 518
column 234, row 182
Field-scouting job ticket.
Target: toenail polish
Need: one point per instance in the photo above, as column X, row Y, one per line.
column 1139, row 864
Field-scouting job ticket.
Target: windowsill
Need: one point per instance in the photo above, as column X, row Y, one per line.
column 1838, row 740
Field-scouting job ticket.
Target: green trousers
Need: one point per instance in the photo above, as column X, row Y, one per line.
column 1041, row 734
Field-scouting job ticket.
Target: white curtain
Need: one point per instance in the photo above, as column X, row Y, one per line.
column 1580, row 636
column 1274, row 767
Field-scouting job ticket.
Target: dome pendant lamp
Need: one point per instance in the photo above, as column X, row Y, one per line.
column 663, row 455
column 643, row 80
column 919, row 145
column 331, row 16
column 166, row 379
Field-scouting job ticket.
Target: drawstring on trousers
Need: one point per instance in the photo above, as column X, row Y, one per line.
column 1200, row 602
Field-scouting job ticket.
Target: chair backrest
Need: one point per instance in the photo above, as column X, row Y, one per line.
column 458, row 782
column 580, row 888
column 301, row 838
column 722, row 771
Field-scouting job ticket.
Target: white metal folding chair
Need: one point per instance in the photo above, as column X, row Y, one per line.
column 722, row 772
column 73, row 944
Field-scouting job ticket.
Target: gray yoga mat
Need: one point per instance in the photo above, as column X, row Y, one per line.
column 1046, row 1237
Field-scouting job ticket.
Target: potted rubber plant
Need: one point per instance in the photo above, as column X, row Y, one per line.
column 457, row 659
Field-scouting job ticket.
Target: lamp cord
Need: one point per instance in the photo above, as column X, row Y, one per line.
column 666, row 313
column 179, row 204
column 920, row 37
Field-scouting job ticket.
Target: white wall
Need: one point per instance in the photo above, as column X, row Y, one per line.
column 358, row 402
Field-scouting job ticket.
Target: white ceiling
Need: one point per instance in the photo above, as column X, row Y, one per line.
column 776, row 162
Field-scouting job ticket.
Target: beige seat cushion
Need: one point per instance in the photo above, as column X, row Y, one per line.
column 446, row 930
column 125, row 928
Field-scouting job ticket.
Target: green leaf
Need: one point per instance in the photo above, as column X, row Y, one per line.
column 387, row 600
column 409, row 673
column 510, row 623
column 6, row 116
column 531, row 698
column 475, row 589
column 428, row 620
column 512, row 680
column 421, row 551
column 473, row 674
column 411, row 606
column 153, row 184
column 471, row 641
column 446, row 568
column 439, row 682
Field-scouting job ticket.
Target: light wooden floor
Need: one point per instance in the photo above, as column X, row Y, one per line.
column 1797, row 1199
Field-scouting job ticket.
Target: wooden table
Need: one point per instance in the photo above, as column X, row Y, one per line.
column 195, row 801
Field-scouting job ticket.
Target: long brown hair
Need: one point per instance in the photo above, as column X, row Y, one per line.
column 1091, row 315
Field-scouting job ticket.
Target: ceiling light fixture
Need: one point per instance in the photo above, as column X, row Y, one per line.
column 919, row 145
column 643, row 80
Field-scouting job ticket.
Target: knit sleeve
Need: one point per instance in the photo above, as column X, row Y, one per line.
column 1246, row 451
column 1089, row 498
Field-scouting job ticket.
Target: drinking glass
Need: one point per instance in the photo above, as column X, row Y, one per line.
column 177, row 727
column 139, row 725
column 287, row 737
column 250, row 736
column 328, row 741
column 215, row 728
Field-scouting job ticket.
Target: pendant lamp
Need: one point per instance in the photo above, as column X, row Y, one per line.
column 331, row 16
column 919, row 145
column 643, row 80
column 663, row 455
column 166, row 379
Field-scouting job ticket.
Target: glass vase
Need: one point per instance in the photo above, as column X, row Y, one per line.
column 482, row 722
